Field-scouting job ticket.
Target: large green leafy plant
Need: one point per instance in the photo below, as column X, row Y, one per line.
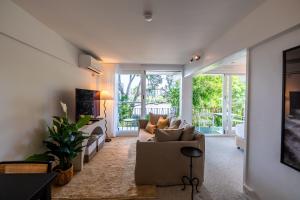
column 64, row 141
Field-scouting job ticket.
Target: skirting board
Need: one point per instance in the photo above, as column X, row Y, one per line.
column 250, row 192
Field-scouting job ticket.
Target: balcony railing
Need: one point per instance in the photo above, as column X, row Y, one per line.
column 131, row 113
column 209, row 121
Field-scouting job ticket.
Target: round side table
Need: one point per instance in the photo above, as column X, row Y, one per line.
column 191, row 152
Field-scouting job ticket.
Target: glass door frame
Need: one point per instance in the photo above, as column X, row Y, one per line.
column 143, row 88
column 227, row 104
column 142, row 75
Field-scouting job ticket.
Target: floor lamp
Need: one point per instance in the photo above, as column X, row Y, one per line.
column 104, row 95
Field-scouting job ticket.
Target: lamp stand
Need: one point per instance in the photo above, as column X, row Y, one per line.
column 107, row 139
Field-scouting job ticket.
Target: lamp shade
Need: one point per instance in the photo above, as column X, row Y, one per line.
column 105, row 95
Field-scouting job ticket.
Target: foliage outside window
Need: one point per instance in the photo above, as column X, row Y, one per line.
column 160, row 89
column 208, row 98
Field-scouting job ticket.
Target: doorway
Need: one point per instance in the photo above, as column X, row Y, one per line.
column 142, row 92
column 218, row 102
column 219, row 99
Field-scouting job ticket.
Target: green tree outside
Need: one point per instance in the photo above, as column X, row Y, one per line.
column 207, row 98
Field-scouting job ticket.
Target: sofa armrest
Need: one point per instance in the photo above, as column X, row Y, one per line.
column 161, row 163
column 143, row 123
column 201, row 139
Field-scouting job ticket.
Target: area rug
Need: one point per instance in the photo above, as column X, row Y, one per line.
column 109, row 175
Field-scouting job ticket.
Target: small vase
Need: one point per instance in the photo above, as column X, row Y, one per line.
column 64, row 176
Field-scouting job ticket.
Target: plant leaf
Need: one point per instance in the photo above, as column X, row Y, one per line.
column 83, row 121
column 40, row 157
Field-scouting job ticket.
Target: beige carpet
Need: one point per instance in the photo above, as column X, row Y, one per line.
column 110, row 175
column 223, row 177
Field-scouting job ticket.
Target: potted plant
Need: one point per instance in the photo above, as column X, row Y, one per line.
column 63, row 144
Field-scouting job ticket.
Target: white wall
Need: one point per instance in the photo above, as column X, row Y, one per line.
column 270, row 18
column 107, row 82
column 265, row 174
column 38, row 68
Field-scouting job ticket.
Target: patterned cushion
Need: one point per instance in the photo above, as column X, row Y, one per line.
column 188, row 133
column 175, row 123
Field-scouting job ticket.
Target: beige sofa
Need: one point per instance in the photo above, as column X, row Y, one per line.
column 161, row 163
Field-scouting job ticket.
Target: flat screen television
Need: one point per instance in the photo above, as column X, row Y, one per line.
column 87, row 103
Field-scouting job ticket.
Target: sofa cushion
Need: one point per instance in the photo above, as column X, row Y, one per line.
column 165, row 135
column 150, row 128
column 162, row 123
column 188, row 133
column 154, row 118
column 174, row 123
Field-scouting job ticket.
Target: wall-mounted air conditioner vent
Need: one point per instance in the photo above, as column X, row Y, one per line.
column 88, row 62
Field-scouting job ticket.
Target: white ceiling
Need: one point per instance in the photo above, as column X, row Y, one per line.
column 116, row 31
column 233, row 64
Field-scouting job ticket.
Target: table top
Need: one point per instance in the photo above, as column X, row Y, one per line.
column 191, row 151
column 23, row 186
column 130, row 120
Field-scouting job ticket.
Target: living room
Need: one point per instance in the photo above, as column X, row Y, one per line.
column 168, row 47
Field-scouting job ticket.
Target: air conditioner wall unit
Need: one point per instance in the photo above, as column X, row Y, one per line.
column 88, row 62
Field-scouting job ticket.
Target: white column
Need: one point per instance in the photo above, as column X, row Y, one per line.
column 143, row 93
column 186, row 106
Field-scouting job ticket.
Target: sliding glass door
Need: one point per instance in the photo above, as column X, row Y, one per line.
column 142, row 92
column 208, row 103
column 218, row 102
column 163, row 92
column 129, row 101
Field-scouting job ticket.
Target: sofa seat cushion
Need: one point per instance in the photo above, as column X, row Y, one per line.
column 165, row 135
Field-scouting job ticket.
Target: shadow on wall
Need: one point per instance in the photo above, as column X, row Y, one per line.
column 25, row 127
column 28, row 143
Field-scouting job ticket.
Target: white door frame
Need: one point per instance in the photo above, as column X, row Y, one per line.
column 142, row 74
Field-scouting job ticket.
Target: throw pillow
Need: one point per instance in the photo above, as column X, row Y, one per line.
column 150, row 128
column 154, row 118
column 165, row 135
column 184, row 124
column 162, row 123
column 175, row 123
column 188, row 133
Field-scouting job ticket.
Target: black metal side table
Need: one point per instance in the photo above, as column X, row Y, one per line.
column 191, row 152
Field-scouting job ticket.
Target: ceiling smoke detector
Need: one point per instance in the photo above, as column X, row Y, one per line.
column 148, row 16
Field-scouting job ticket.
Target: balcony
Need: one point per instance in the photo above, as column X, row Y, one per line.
column 131, row 113
column 210, row 121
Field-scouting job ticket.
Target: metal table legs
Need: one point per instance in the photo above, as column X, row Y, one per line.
column 191, row 179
